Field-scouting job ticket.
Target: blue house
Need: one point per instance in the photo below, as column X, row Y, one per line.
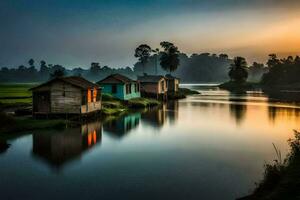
column 120, row 87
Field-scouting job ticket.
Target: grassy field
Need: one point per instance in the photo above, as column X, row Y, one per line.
column 15, row 93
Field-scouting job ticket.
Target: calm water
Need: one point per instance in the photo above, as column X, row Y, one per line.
column 208, row 146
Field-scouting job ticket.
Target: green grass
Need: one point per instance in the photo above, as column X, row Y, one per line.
column 142, row 102
column 16, row 93
column 114, row 106
column 16, row 101
column 113, row 111
column 282, row 177
column 15, row 90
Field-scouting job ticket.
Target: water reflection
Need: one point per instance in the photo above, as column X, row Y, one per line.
column 172, row 111
column 158, row 116
column 279, row 114
column 155, row 117
column 238, row 109
column 198, row 137
column 58, row 148
column 120, row 127
column 3, row 146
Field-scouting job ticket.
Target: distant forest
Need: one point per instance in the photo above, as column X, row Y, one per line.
column 197, row 68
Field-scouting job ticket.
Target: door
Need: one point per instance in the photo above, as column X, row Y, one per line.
column 41, row 102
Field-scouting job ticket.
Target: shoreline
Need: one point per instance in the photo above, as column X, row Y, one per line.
column 22, row 120
column 282, row 177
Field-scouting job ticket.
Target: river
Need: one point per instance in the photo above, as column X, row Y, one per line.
column 207, row 146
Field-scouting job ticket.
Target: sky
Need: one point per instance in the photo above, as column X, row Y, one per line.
column 75, row 33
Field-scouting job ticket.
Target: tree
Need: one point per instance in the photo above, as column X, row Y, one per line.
column 143, row 53
column 43, row 67
column 256, row 71
column 166, row 45
column 57, row 73
column 224, row 56
column 31, row 62
column 238, row 71
column 282, row 72
column 169, row 59
column 21, row 68
column 95, row 67
column 273, row 60
column 156, row 54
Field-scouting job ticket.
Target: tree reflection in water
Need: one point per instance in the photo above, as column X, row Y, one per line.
column 3, row 146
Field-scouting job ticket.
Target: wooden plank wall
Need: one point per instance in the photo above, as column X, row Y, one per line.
column 65, row 98
column 91, row 107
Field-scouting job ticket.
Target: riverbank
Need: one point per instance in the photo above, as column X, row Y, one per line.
column 282, row 178
column 10, row 124
column 238, row 87
column 114, row 106
column 182, row 93
column 16, row 103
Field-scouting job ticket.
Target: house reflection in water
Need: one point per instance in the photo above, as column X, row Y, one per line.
column 157, row 117
column 172, row 111
column 119, row 127
column 59, row 147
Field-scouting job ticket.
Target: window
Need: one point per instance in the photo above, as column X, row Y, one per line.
column 162, row 83
column 136, row 87
column 89, row 95
column 128, row 88
column 94, row 95
column 114, row 89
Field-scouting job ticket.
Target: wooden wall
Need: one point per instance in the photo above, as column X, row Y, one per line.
column 154, row 88
column 164, row 83
column 91, row 107
column 65, row 98
column 173, row 85
column 149, row 88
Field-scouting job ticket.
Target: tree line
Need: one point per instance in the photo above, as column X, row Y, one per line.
column 195, row 68
column 31, row 73
column 277, row 73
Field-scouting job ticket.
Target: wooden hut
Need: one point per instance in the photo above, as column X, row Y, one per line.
column 153, row 86
column 66, row 95
column 172, row 83
column 120, row 87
